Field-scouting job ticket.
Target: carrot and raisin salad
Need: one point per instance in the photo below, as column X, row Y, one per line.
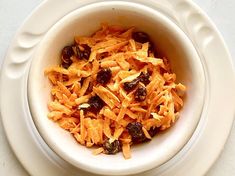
column 112, row 91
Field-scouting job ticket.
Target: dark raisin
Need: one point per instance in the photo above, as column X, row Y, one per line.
column 66, row 54
column 140, row 94
column 129, row 86
column 104, row 76
column 111, row 148
column 153, row 131
column 140, row 37
column 66, row 65
column 83, row 51
column 144, row 78
column 96, row 104
column 136, row 132
column 86, row 52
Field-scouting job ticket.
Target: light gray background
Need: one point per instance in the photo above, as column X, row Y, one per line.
column 12, row 14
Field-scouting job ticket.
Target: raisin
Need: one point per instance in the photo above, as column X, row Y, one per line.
column 83, row 51
column 140, row 37
column 136, row 132
column 104, row 76
column 140, row 94
column 144, row 78
column 129, row 86
column 111, row 148
column 66, row 65
column 66, row 54
column 153, row 131
column 96, row 104
column 86, row 52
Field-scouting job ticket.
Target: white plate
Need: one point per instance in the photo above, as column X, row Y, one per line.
column 216, row 120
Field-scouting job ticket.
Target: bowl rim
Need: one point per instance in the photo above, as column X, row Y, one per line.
column 66, row 19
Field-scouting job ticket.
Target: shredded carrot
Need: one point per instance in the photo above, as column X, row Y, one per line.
column 75, row 86
column 126, row 150
column 98, row 151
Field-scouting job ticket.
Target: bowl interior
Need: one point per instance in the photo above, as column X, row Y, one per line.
column 170, row 42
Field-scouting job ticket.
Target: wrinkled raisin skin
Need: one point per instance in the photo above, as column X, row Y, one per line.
column 129, row 86
column 96, row 104
column 136, row 132
column 111, row 148
column 83, row 51
column 66, row 54
column 144, row 78
column 66, row 65
column 104, row 76
column 140, row 94
column 153, row 131
column 140, row 37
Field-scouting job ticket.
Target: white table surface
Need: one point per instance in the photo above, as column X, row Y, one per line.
column 12, row 14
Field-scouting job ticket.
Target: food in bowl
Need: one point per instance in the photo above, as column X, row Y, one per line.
column 112, row 90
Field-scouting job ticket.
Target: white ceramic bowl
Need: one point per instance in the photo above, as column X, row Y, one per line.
column 170, row 42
